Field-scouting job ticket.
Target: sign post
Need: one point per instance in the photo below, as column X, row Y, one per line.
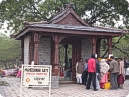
column 36, row 76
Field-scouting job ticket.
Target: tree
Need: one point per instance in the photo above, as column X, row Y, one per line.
column 9, row 51
column 102, row 12
column 106, row 12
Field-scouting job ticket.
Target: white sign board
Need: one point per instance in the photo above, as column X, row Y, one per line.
column 36, row 76
column 96, row 55
column 110, row 55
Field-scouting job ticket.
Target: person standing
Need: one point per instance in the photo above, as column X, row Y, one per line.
column 85, row 73
column 19, row 73
column 97, row 74
column 104, row 67
column 69, row 69
column 114, row 70
column 125, row 65
column 92, row 72
column 79, row 70
column 120, row 78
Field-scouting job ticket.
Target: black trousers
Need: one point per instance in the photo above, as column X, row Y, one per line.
column 84, row 77
column 92, row 78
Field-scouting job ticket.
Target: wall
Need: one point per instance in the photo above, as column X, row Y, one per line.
column 44, row 51
column 44, row 58
column 86, row 49
column 26, row 50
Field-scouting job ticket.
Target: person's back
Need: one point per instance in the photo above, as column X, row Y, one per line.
column 114, row 67
column 91, row 65
column 97, row 67
column 92, row 72
column 125, row 63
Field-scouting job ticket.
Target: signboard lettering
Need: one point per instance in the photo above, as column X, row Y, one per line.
column 36, row 76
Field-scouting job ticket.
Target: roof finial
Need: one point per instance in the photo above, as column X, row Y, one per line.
column 71, row 5
column 26, row 23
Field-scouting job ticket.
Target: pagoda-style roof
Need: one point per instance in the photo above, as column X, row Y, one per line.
column 67, row 12
column 68, row 22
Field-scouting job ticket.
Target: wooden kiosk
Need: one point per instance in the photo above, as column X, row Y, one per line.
column 39, row 41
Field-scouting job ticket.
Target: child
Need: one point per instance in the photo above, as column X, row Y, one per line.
column 19, row 73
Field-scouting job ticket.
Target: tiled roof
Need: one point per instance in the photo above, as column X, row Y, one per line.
column 72, row 27
column 64, row 13
column 59, row 15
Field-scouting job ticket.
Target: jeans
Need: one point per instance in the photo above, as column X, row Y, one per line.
column 84, row 77
column 68, row 74
column 114, row 84
column 97, row 81
column 125, row 70
column 92, row 77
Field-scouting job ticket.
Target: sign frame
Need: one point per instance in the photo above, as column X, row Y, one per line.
column 110, row 55
column 49, row 67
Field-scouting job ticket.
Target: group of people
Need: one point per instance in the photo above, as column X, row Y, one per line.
column 95, row 73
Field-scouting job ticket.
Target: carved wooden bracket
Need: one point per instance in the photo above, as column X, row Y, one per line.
column 94, row 45
column 36, row 38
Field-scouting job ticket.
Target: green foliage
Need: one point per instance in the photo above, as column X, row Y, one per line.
column 9, row 50
column 62, row 53
column 121, row 49
column 106, row 12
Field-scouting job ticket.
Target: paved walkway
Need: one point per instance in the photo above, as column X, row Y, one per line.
column 65, row 90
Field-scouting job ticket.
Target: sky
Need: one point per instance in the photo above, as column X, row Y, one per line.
column 4, row 28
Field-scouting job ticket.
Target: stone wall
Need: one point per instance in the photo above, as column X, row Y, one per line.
column 55, row 82
column 44, row 51
column 86, row 49
column 44, row 58
column 26, row 50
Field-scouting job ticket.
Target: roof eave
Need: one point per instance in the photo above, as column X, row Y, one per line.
column 21, row 33
column 51, row 30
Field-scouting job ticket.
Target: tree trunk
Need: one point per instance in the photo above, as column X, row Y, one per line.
column 5, row 65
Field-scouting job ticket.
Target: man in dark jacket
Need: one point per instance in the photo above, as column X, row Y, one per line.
column 69, row 68
column 97, row 74
column 125, row 64
column 85, row 73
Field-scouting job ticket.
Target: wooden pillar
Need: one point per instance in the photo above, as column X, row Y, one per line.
column 98, row 47
column 52, row 55
column 36, row 48
column 109, row 45
column 31, row 49
column 76, row 55
column 74, row 61
column 94, row 45
column 78, row 48
column 22, row 51
column 56, row 55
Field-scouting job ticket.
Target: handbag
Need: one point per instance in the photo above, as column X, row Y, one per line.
column 120, row 79
column 107, row 85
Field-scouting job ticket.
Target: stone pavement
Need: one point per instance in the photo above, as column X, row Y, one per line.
column 65, row 90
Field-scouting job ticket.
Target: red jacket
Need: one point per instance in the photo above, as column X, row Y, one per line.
column 91, row 65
